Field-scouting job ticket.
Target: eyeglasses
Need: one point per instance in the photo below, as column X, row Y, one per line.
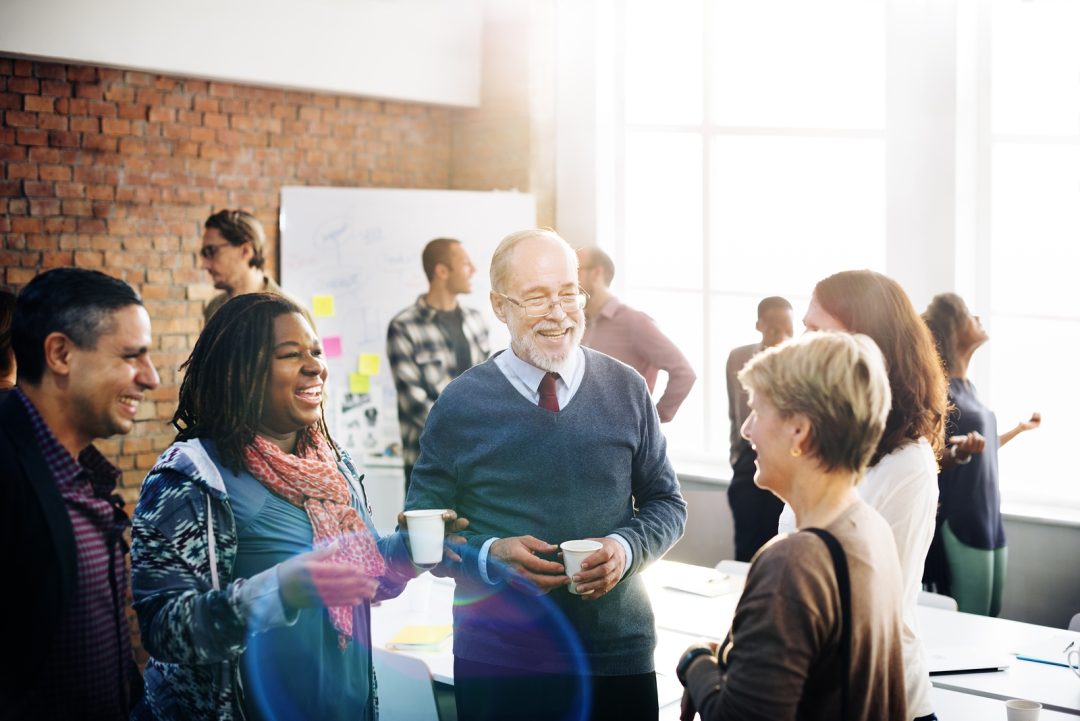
column 539, row 307
column 209, row 251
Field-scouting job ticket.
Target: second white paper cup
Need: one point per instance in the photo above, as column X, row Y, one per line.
column 573, row 553
column 1020, row 710
column 426, row 532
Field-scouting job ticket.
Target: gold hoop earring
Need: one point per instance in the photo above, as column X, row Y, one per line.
column 796, row 452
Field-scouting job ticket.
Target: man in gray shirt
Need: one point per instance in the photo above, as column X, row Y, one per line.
column 543, row 443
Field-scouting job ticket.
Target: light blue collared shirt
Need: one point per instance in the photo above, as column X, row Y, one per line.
column 525, row 377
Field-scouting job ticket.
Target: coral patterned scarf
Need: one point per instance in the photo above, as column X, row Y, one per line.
column 315, row 484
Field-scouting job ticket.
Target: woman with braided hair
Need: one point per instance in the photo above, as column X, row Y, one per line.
column 254, row 558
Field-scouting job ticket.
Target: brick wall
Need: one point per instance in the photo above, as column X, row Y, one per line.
column 117, row 170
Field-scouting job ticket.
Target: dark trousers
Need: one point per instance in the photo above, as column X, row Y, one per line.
column 754, row 510
column 488, row 693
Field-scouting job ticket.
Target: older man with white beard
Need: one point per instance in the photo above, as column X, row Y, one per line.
column 543, row 443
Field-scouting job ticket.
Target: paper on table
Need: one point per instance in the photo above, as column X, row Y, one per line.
column 709, row 586
column 420, row 637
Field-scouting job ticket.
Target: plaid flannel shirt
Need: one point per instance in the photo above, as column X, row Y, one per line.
column 422, row 362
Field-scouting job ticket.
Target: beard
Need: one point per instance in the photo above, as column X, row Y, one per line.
column 531, row 352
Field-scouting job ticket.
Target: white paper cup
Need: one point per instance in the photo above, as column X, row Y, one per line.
column 1020, row 710
column 573, row 553
column 426, row 531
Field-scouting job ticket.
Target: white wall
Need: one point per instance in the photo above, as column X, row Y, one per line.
column 425, row 51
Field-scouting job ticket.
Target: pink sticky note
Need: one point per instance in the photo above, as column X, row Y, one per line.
column 332, row 346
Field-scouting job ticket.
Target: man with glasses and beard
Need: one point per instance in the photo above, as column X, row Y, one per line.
column 548, row 442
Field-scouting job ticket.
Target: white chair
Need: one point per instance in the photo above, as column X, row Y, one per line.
column 406, row 689
column 937, row 600
column 1074, row 624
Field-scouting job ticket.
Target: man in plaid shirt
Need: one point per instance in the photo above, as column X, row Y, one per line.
column 82, row 347
column 433, row 341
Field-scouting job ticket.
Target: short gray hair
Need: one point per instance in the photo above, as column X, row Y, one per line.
column 839, row 382
column 500, row 261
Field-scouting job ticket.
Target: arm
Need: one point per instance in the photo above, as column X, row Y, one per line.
column 662, row 353
column 1023, row 426
column 778, row 633
column 661, row 511
column 413, row 398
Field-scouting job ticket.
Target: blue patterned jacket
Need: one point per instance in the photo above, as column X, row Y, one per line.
column 194, row 633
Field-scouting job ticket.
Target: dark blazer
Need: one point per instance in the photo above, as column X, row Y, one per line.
column 38, row 566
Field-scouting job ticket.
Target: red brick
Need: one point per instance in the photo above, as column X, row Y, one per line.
column 38, row 189
column 90, row 91
column 55, row 172
column 57, row 259
column 63, row 139
column 207, row 105
column 100, row 192
column 189, row 117
column 84, row 125
column 52, row 122
column 26, row 225
column 10, row 188
column 44, row 206
column 163, row 83
column 132, row 112
column 77, row 207
column 113, row 126
column 174, row 100
column 38, row 104
column 12, row 152
column 202, row 135
column 18, row 119
column 20, row 276
column 23, row 68
column 175, row 132
column 92, row 225
column 149, row 96
column 215, row 120
column 101, row 109
column 26, row 86
column 120, row 94
column 32, row 137
column 89, row 259
column 73, row 106
column 132, row 146
column 160, row 114
column 98, row 142
column 135, row 78
column 54, row 71
column 10, row 101
column 81, row 72
column 70, row 190
column 59, row 225
column 55, row 88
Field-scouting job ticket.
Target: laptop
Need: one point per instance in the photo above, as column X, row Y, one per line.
column 966, row 659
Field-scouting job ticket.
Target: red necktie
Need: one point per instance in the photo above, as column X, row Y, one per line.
column 549, row 400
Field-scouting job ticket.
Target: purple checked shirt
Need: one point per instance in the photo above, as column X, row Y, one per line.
column 90, row 657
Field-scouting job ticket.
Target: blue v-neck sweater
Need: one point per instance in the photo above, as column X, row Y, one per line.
column 598, row 466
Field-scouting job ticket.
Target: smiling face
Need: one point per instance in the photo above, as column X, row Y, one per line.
column 107, row 382
column 541, row 268
column 294, row 389
column 772, row 438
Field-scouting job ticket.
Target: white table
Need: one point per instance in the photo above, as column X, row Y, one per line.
column 683, row 618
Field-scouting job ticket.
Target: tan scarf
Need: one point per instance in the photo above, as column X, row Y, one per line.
column 315, row 484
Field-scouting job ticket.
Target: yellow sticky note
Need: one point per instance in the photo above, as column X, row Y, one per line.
column 322, row 306
column 359, row 383
column 369, row 364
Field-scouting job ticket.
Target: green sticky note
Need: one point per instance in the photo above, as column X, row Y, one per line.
column 369, row 364
column 322, row 306
column 359, row 383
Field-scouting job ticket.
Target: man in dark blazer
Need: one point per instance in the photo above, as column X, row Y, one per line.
column 82, row 347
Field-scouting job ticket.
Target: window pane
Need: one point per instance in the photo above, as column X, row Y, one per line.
column 787, row 212
column 792, row 63
column 679, row 316
column 1036, row 67
column 1035, row 229
column 1032, row 368
column 663, row 63
column 663, row 211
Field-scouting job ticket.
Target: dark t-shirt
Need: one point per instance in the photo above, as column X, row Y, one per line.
column 969, row 494
column 451, row 323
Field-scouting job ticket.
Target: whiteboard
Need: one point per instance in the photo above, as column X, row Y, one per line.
column 362, row 246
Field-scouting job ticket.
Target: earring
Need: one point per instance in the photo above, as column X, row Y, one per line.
column 796, row 452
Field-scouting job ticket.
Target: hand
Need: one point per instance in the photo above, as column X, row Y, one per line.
column 517, row 559
column 969, row 445
column 313, row 579
column 453, row 525
column 602, row 570
column 686, row 708
column 1029, row 425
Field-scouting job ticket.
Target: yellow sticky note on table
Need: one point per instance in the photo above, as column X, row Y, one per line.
column 369, row 364
column 420, row 637
column 322, row 306
column 359, row 383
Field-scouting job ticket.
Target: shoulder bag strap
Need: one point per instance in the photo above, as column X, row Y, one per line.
column 843, row 582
